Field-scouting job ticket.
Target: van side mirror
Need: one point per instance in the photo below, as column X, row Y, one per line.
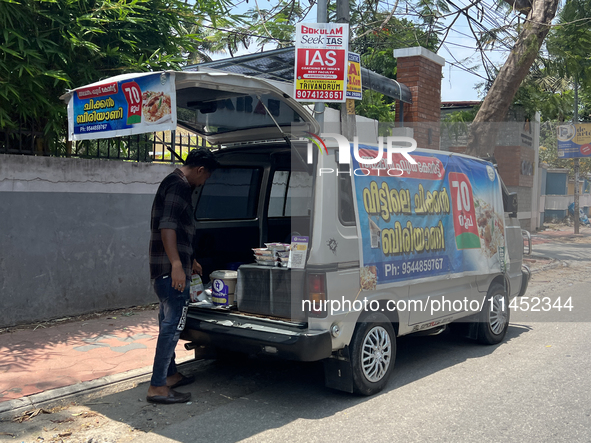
column 511, row 204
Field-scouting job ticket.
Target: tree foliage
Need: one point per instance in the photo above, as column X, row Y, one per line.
column 569, row 60
column 548, row 94
column 376, row 45
column 261, row 28
column 549, row 85
column 569, row 43
column 483, row 132
column 457, row 124
column 375, row 106
column 48, row 46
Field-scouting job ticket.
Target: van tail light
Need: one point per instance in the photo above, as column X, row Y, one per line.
column 317, row 295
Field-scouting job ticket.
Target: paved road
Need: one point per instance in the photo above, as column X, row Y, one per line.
column 535, row 387
column 563, row 244
column 564, row 251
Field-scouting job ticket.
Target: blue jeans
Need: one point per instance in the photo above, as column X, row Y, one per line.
column 171, row 320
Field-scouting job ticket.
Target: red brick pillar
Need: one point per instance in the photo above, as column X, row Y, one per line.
column 420, row 70
column 511, row 162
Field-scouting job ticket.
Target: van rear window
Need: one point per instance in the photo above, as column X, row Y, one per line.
column 229, row 194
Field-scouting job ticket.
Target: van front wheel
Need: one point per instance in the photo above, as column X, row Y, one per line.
column 373, row 351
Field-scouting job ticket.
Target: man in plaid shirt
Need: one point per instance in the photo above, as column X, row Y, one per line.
column 171, row 266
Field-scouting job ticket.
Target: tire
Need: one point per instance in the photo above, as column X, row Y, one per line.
column 494, row 317
column 373, row 351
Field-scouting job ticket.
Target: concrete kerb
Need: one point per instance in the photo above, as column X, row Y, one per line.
column 84, row 391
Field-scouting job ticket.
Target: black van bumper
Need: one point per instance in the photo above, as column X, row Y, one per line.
column 257, row 336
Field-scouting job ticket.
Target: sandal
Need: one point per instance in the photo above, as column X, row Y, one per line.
column 171, row 398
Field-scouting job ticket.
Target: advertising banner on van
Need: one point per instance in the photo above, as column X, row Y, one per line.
column 321, row 62
column 574, row 141
column 441, row 216
column 123, row 105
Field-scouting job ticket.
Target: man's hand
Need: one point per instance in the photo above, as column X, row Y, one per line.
column 178, row 276
column 197, row 268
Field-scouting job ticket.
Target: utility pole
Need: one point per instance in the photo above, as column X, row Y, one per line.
column 321, row 17
column 348, row 122
column 575, row 122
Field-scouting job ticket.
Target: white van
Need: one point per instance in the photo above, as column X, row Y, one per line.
column 393, row 249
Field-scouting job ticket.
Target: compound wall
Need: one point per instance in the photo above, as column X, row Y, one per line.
column 74, row 236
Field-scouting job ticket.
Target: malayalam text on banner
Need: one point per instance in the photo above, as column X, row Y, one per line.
column 442, row 216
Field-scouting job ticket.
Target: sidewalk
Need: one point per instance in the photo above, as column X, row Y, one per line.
column 58, row 358
column 36, row 359
column 562, row 233
column 560, row 243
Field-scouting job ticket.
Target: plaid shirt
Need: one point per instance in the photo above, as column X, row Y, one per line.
column 172, row 209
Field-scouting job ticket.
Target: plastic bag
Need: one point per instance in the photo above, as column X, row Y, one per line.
column 196, row 288
column 582, row 217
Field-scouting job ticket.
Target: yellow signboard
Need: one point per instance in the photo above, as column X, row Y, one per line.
column 354, row 77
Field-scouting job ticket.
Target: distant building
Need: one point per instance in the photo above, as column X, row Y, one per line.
column 516, row 153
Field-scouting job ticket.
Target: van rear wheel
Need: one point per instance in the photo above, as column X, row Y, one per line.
column 373, row 351
column 494, row 317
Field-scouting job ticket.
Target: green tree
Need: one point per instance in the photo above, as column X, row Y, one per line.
column 569, row 60
column 264, row 28
column 457, row 123
column 375, row 106
column 569, row 43
column 376, row 44
column 515, row 69
column 376, row 34
column 569, row 46
column 48, row 46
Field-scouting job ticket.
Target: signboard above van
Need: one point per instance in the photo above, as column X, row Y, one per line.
column 218, row 106
column 321, row 62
